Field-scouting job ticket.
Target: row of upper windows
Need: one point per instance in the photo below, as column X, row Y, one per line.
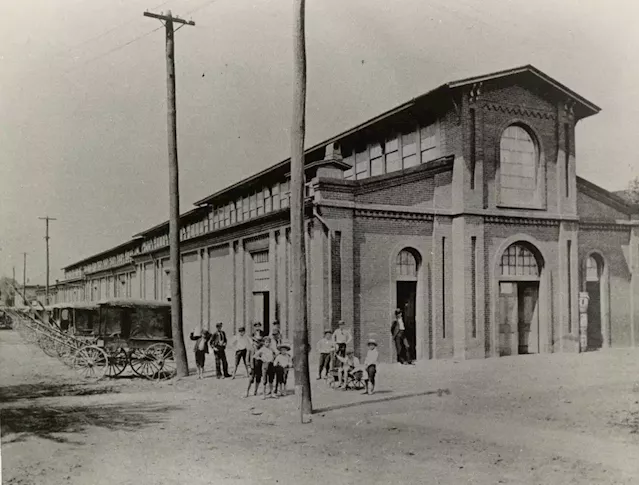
column 398, row 151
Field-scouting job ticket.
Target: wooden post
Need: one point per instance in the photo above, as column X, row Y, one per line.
column 298, row 257
column 46, row 237
column 179, row 349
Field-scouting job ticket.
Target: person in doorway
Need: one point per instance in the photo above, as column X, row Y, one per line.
column 324, row 347
column 200, row 349
column 257, row 331
column 219, row 341
column 397, row 332
column 276, row 334
column 341, row 337
column 370, row 366
column 282, row 364
column 242, row 344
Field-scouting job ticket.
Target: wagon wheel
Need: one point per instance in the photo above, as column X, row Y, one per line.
column 117, row 363
column 66, row 353
column 164, row 359
column 90, row 362
column 143, row 363
column 48, row 345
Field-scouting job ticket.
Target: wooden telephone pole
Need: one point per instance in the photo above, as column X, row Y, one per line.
column 46, row 237
column 298, row 257
column 174, row 196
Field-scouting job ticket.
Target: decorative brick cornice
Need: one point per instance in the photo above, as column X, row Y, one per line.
column 514, row 109
column 391, row 214
column 605, row 226
column 528, row 221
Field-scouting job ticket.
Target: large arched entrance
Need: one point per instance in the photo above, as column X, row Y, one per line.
column 595, row 284
column 407, row 267
column 518, row 301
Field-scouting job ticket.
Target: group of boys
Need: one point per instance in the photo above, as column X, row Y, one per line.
column 335, row 344
column 269, row 360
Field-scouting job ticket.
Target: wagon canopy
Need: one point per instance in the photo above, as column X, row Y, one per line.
column 136, row 319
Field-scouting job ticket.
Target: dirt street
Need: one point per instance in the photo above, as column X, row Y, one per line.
column 565, row 419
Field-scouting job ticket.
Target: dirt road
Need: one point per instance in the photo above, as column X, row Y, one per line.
column 566, row 419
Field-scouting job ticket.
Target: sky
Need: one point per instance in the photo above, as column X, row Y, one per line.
column 83, row 96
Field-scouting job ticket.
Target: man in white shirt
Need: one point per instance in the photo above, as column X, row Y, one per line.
column 341, row 337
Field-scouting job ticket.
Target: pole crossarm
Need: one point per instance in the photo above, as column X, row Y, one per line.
column 169, row 17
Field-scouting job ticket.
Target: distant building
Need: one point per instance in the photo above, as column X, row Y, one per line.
column 30, row 292
column 462, row 207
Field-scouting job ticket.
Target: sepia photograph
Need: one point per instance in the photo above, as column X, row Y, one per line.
column 319, row 242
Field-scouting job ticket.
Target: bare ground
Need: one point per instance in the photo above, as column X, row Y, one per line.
column 566, row 419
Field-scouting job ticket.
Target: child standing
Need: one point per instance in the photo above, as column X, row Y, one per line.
column 201, row 348
column 256, row 368
column 267, row 356
column 324, row 347
column 370, row 365
column 242, row 345
column 282, row 363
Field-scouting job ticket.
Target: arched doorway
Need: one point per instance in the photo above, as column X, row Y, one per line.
column 407, row 267
column 595, row 284
column 518, row 301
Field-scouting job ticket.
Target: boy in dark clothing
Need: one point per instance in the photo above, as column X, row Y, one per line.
column 256, row 369
column 200, row 348
column 219, row 341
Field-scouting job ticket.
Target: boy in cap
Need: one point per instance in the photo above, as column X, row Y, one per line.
column 266, row 355
column 219, row 341
column 282, row 364
column 256, row 368
column 324, row 347
column 370, row 365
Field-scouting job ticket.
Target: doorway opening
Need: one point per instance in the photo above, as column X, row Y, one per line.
column 594, row 287
column 261, row 310
column 406, row 301
column 518, row 300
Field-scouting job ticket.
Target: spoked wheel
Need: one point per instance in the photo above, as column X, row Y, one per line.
column 117, row 363
column 164, row 359
column 143, row 363
column 91, row 362
column 66, row 353
column 48, row 345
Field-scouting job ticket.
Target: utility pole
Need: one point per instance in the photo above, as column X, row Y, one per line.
column 298, row 257
column 179, row 350
column 24, row 279
column 46, row 237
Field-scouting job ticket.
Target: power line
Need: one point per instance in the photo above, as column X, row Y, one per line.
column 111, row 51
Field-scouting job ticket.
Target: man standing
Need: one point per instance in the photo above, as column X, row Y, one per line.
column 397, row 332
column 341, row 337
column 219, row 341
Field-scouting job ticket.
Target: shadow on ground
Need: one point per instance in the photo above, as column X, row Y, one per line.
column 56, row 423
column 335, row 407
column 34, row 391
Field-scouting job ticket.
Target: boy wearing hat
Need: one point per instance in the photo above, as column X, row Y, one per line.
column 219, row 341
column 266, row 355
column 370, row 365
column 282, row 364
column 243, row 344
column 324, row 347
column 201, row 348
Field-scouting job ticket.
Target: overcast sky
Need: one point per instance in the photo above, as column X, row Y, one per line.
column 83, row 116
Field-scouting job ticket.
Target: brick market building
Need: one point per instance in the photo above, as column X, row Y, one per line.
column 461, row 206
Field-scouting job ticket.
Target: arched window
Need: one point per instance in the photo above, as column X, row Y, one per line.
column 593, row 269
column 406, row 264
column 518, row 168
column 518, row 260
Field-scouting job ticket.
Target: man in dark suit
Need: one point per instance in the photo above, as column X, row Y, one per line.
column 397, row 332
column 219, row 341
